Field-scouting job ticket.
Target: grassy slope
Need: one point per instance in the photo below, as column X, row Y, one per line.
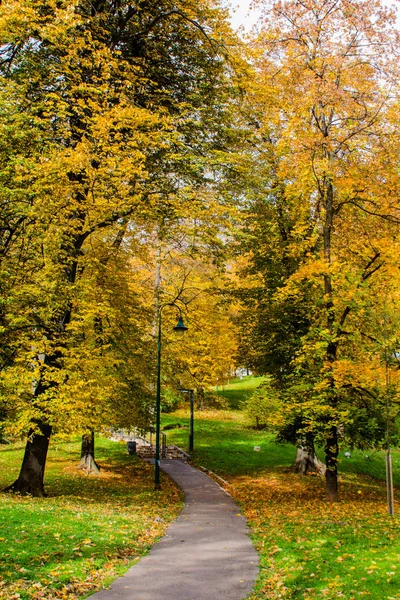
column 239, row 389
column 89, row 529
column 308, row 548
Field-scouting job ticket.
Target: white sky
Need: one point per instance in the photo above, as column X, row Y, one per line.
column 242, row 16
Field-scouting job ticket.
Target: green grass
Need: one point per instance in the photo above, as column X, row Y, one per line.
column 238, row 390
column 370, row 463
column 308, row 548
column 224, row 442
column 90, row 529
column 87, row 531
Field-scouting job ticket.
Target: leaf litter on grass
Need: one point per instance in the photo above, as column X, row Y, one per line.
column 87, row 532
column 310, row 548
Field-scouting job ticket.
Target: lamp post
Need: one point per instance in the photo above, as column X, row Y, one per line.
column 180, row 329
column 191, row 430
column 389, row 469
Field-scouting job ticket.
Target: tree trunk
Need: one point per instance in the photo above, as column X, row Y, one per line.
column 331, row 475
column 88, row 462
column 31, row 476
column 331, row 446
column 200, row 398
column 260, row 426
column 306, row 459
column 157, row 278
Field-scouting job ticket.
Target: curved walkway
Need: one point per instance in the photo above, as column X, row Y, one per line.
column 205, row 554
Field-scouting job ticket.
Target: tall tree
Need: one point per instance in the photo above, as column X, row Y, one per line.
column 327, row 71
column 127, row 99
column 184, row 258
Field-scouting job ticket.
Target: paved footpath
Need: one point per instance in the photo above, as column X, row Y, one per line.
column 206, row 553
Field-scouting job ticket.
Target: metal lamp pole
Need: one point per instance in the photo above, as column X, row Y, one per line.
column 179, row 328
column 191, row 430
column 389, row 469
column 158, row 409
column 191, row 434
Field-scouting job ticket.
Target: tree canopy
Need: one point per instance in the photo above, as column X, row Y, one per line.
column 323, row 227
column 111, row 110
column 148, row 152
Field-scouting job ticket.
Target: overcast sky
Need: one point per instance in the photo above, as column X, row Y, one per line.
column 241, row 14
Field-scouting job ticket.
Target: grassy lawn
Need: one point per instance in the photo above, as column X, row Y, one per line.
column 238, row 390
column 224, row 442
column 89, row 529
column 308, row 548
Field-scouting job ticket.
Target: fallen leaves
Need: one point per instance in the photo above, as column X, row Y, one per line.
column 312, row 549
column 85, row 533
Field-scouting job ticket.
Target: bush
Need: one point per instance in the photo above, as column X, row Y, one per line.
column 262, row 406
column 170, row 401
column 174, row 426
column 209, row 399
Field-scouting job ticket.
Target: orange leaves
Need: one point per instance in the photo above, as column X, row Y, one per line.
column 323, row 67
column 311, row 549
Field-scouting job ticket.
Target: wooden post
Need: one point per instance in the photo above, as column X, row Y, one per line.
column 389, row 483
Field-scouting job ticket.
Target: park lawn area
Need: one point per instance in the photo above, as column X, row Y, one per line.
column 311, row 549
column 224, row 442
column 308, row 548
column 237, row 390
column 88, row 530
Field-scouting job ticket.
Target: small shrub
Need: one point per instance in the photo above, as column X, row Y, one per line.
column 262, row 406
column 210, row 399
column 169, row 401
column 174, row 426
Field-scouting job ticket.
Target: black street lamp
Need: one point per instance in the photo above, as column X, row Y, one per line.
column 191, row 430
column 180, row 329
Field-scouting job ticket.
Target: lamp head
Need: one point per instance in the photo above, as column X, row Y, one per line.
column 180, row 328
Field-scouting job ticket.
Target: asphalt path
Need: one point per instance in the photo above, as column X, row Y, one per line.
column 206, row 553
